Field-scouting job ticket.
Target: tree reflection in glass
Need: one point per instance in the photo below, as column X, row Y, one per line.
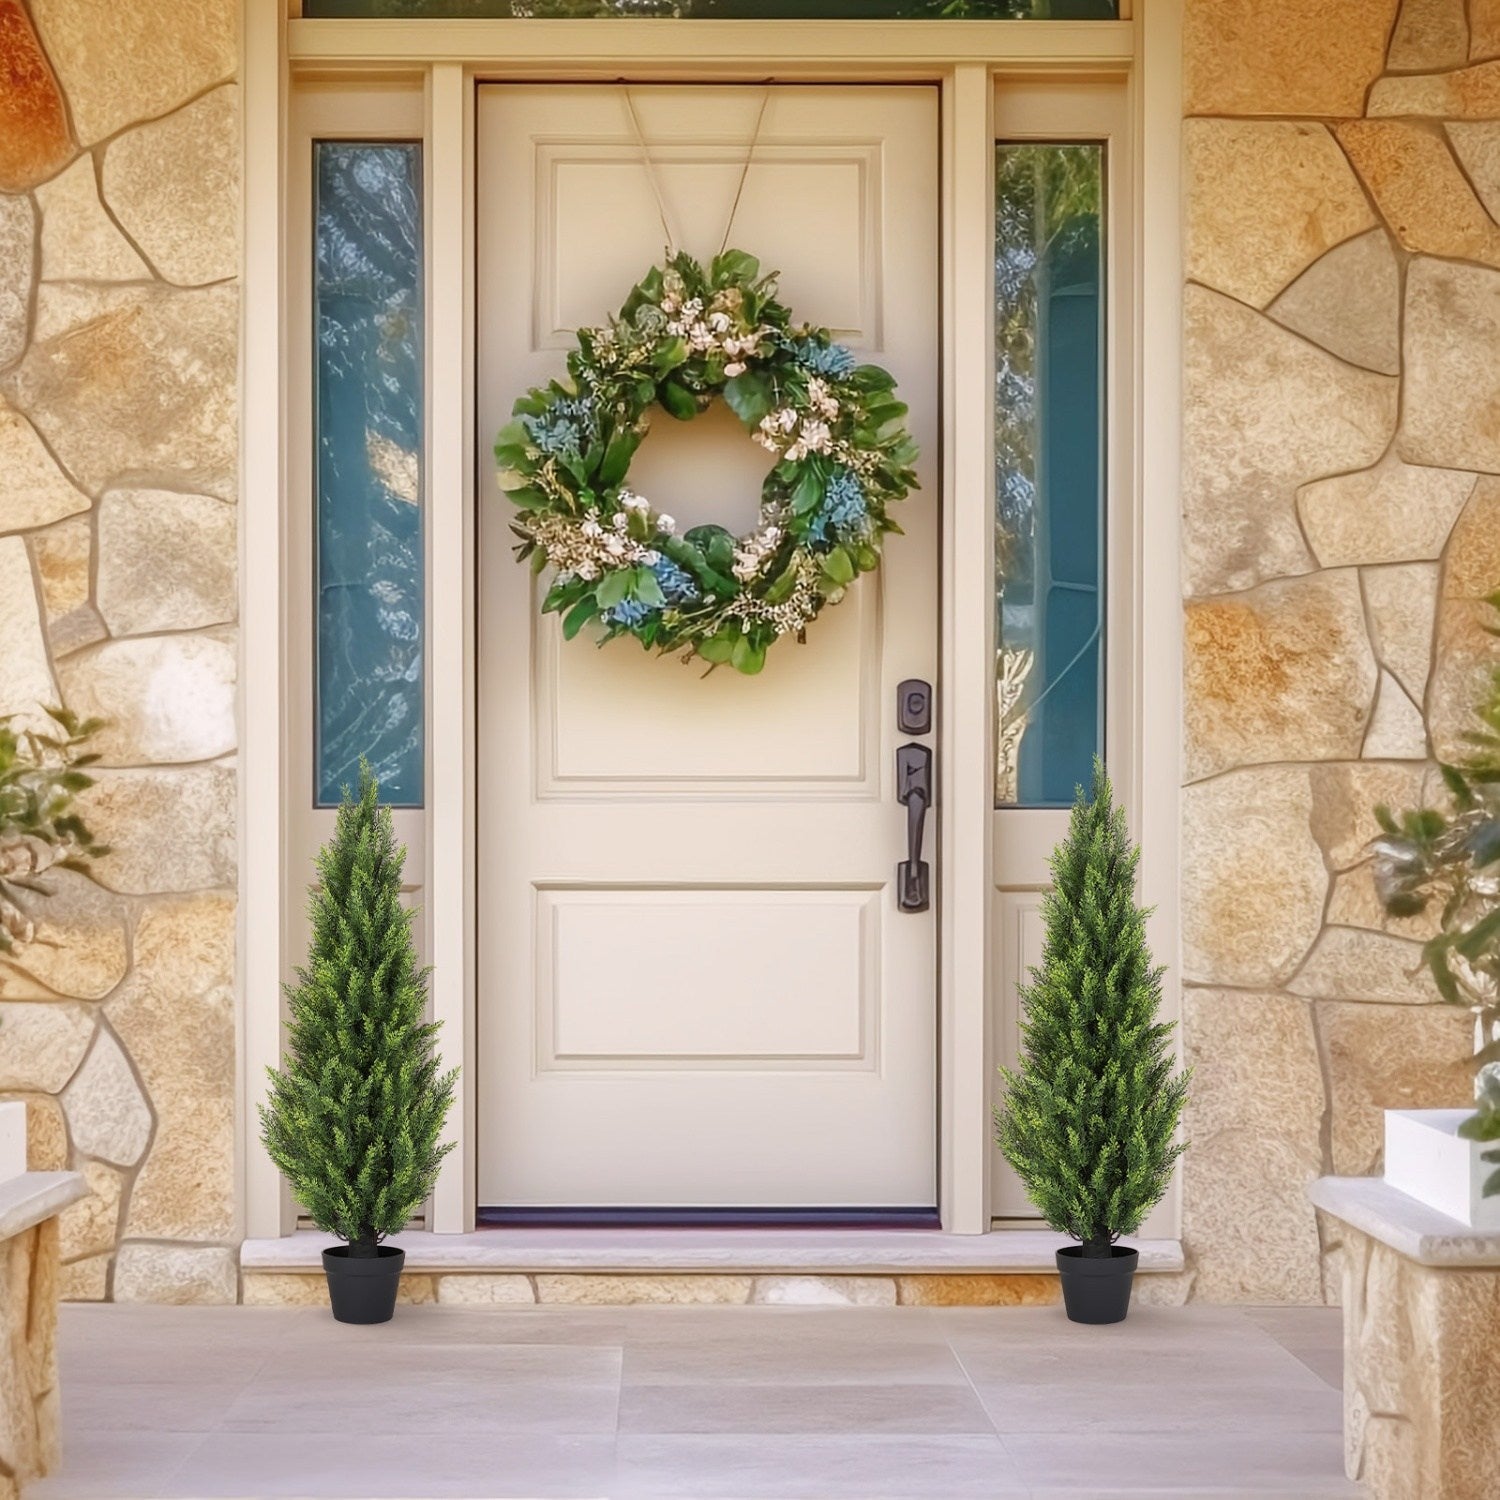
column 368, row 319
column 1048, row 470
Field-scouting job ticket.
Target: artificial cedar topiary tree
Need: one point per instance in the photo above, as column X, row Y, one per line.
column 354, row 1114
column 1089, row 1116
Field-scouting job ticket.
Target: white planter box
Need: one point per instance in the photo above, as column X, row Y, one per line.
column 1427, row 1159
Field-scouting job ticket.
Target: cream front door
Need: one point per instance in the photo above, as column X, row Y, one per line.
column 696, row 989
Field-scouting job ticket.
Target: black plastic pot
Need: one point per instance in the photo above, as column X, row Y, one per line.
column 1097, row 1289
column 362, row 1289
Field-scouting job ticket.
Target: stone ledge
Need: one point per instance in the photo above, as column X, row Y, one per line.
column 695, row 1251
column 27, row 1200
column 1372, row 1206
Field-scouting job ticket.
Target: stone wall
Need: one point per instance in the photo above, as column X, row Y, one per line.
column 1341, row 515
column 119, row 202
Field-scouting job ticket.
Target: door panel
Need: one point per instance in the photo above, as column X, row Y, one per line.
column 695, row 988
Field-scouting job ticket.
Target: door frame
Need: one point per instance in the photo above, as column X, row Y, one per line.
column 440, row 63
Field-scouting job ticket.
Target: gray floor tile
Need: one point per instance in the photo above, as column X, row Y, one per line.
column 808, row 1361
column 244, row 1466
column 816, row 1468
column 1307, row 1466
column 772, row 1409
column 172, row 1406
column 99, row 1464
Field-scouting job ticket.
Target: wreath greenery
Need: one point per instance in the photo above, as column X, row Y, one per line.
column 685, row 336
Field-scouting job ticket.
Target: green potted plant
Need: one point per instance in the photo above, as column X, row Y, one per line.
column 1452, row 857
column 1089, row 1117
column 355, row 1112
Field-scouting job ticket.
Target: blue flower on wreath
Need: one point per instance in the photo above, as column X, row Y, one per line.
column 833, row 361
column 564, row 430
column 845, row 511
column 676, row 582
column 628, row 612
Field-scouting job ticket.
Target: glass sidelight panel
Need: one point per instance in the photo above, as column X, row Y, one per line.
column 1049, row 469
column 772, row 10
column 369, row 573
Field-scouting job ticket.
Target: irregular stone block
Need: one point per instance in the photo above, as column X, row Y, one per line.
column 1391, row 513
column 1264, row 412
column 85, row 1280
column 1396, row 730
column 36, row 491
column 1471, row 567
column 1254, row 1117
column 166, row 561
column 46, row 1133
column 1462, row 672
column 63, row 555
column 34, row 136
column 17, row 264
column 824, row 1291
column 1264, row 200
column 175, row 1017
column 477, row 1289
column 1484, row 29
column 1476, row 144
column 177, row 1275
column 108, row 1116
column 88, row 1227
column 1426, row 200
column 1467, row 94
column 1253, row 878
column 1402, row 606
column 162, row 698
column 1349, row 303
column 1348, row 963
column 26, row 685
column 622, row 1291
column 1353, row 903
column 1283, row 671
column 1421, row 1407
column 136, row 66
column 186, row 220
column 1283, row 57
column 310, row 1289
column 1042, row 1290
column 79, row 948
column 1429, row 34
column 42, row 1043
column 80, row 242
column 169, row 830
column 136, row 379
column 1382, row 1057
column 1451, row 415
column 1344, row 801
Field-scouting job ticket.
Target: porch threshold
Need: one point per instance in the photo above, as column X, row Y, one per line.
column 774, row 1252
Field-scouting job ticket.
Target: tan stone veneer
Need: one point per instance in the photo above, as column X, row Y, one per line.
column 1341, row 523
column 119, row 235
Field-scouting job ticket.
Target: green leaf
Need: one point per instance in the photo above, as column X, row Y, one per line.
column 747, row 657
column 613, row 588
column 733, row 266
column 839, row 566
column 716, row 544
column 671, row 354
column 617, row 457
column 1479, row 937
column 807, row 493
column 1436, row 954
column 647, row 589
column 718, row 648
column 749, row 396
column 579, row 616
column 677, row 400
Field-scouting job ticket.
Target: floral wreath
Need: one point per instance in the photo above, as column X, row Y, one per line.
column 686, row 335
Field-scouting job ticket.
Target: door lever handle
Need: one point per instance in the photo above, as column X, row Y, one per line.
column 914, row 791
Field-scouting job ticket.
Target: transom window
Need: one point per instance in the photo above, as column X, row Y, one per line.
column 709, row 10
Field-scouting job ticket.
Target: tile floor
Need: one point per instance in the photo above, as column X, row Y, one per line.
column 720, row 1403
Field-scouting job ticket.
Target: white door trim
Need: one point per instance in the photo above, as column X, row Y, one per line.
column 447, row 57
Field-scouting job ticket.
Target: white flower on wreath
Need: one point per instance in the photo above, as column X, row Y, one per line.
column 733, row 368
column 666, row 524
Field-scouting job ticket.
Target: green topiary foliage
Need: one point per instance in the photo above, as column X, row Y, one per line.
column 355, row 1113
column 1089, row 1117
